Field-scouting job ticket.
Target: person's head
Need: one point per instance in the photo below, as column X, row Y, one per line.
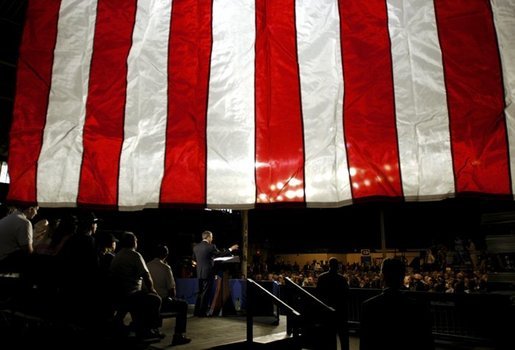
column 129, row 240
column 333, row 264
column 88, row 223
column 161, row 251
column 207, row 236
column 29, row 210
column 67, row 225
column 106, row 241
column 393, row 271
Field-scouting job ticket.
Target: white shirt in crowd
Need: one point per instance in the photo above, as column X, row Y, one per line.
column 15, row 233
column 162, row 276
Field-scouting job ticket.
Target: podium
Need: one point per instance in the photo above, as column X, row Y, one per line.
column 222, row 304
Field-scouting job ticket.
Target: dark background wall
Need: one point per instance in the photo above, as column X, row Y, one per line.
column 12, row 13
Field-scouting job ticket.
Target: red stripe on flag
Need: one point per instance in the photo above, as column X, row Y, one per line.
column 105, row 107
column 369, row 105
column 279, row 129
column 475, row 96
column 184, row 180
column 33, row 86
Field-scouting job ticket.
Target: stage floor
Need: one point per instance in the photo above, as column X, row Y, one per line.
column 210, row 332
column 28, row 332
column 207, row 333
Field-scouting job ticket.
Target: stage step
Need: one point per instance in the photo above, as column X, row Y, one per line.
column 270, row 338
column 273, row 341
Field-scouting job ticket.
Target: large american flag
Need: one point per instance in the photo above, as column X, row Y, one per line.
column 236, row 103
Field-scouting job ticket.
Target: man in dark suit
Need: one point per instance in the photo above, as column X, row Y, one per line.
column 203, row 255
column 394, row 319
column 333, row 289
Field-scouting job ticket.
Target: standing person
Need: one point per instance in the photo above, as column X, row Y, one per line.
column 164, row 283
column 16, row 237
column 203, row 255
column 333, row 289
column 393, row 319
column 78, row 262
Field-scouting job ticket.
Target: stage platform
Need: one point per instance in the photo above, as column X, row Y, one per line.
column 220, row 333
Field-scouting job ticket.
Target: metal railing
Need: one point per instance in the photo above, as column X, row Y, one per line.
column 252, row 289
column 317, row 328
column 466, row 318
column 307, row 294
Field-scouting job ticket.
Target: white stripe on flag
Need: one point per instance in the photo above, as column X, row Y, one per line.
column 230, row 116
column 61, row 153
column 321, row 77
column 142, row 158
column 421, row 106
column 504, row 18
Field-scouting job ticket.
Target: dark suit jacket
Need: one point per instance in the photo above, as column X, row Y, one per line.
column 333, row 289
column 395, row 320
column 204, row 253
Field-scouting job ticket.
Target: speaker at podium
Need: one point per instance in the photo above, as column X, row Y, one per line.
column 222, row 304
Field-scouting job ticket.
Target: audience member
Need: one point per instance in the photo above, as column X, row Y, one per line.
column 79, row 255
column 129, row 271
column 106, row 246
column 16, row 238
column 164, row 284
column 79, row 268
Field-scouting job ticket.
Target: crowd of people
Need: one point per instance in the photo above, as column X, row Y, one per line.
column 88, row 277
column 97, row 273
column 93, row 275
column 462, row 269
column 368, row 276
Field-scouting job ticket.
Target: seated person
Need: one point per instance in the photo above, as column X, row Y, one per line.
column 16, row 238
column 128, row 273
column 164, row 283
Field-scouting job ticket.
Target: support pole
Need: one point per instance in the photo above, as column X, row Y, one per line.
column 383, row 234
column 250, row 287
column 250, row 315
column 245, row 242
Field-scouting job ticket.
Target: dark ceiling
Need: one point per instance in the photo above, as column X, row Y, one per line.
column 12, row 13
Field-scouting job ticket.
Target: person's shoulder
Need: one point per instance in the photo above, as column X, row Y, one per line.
column 19, row 217
column 163, row 264
column 153, row 263
column 120, row 254
column 341, row 277
column 323, row 280
column 129, row 253
column 343, row 282
column 323, row 275
column 200, row 246
column 332, row 276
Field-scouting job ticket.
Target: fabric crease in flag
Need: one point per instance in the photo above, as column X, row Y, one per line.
column 234, row 104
